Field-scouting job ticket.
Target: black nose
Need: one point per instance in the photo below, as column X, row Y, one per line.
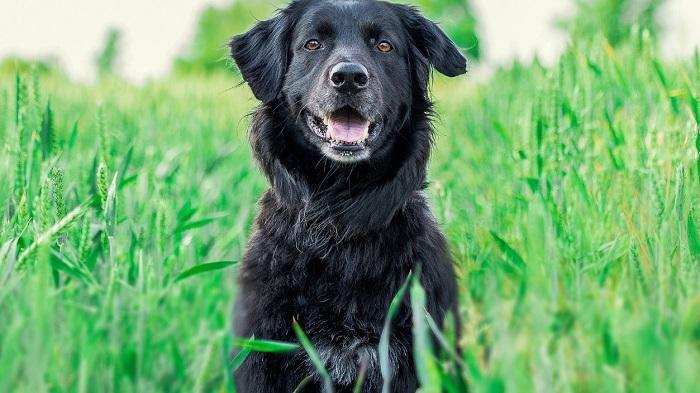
column 349, row 77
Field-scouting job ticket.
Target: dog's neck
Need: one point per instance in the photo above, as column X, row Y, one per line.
column 339, row 199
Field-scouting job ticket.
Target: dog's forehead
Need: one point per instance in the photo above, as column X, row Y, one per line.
column 348, row 15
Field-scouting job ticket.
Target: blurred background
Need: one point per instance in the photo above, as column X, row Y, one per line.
column 565, row 175
column 142, row 40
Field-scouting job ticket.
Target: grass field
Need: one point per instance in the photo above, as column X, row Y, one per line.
column 570, row 196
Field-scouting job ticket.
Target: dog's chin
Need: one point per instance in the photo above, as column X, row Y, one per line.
column 343, row 135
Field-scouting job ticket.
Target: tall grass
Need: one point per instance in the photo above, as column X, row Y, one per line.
column 570, row 195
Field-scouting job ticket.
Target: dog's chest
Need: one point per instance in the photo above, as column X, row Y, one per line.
column 329, row 294
column 347, row 286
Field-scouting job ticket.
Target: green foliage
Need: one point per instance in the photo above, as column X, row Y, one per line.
column 15, row 65
column 614, row 19
column 458, row 19
column 107, row 59
column 101, row 274
column 569, row 196
column 216, row 25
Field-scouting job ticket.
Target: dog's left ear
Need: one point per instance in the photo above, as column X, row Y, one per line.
column 432, row 42
column 261, row 55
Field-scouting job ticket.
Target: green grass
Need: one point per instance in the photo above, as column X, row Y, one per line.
column 570, row 196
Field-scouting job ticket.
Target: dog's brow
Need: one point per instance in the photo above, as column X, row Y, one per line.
column 371, row 29
column 325, row 27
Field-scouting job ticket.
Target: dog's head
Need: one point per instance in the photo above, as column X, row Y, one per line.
column 349, row 71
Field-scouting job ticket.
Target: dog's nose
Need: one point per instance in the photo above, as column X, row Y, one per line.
column 349, row 77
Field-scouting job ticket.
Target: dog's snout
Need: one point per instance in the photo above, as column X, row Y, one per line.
column 349, row 77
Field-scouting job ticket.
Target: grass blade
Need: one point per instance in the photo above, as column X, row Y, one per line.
column 265, row 346
column 204, row 268
column 198, row 223
column 384, row 340
column 240, row 357
column 693, row 236
column 302, row 385
column 510, row 253
column 361, row 377
column 8, row 259
column 313, row 355
column 424, row 358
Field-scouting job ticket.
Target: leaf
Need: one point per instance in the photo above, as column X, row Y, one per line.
column 617, row 137
column 198, row 223
column 313, row 355
column 443, row 341
column 512, row 255
column 186, row 212
column 124, row 167
column 8, row 259
column 128, row 180
column 302, row 385
column 362, row 375
column 110, row 208
column 693, row 236
column 386, row 334
column 265, row 346
column 240, row 357
column 47, row 132
column 581, row 186
column 611, row 353
column 423, row 355
column 62, row 263
column 73, row 136
column 664, row 85
column 204, row 268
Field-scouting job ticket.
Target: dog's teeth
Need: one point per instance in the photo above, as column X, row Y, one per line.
column 326, row 119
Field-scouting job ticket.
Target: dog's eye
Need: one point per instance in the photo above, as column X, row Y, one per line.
column 384, row 47
column 312, row 45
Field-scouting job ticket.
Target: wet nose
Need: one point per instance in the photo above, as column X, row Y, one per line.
column 349, row 77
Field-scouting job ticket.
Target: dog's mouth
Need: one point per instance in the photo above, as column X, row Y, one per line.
column 345, row 129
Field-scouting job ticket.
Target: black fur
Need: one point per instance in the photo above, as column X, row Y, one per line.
column 336, row 236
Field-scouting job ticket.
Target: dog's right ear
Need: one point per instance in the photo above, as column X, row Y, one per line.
column 261, row 55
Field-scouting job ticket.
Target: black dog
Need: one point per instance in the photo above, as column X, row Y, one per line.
column 343, row 135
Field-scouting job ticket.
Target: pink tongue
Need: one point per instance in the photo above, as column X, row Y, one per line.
column 348, row 129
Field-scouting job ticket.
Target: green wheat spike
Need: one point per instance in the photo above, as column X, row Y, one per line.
column 20, row 157
column 103, row 135
column 102, row 186
column 57, row 185
column 658, row 196
column 44, row 205
column 22, row 216
column 57, row 189
column 84, row 241
column 36, row 93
